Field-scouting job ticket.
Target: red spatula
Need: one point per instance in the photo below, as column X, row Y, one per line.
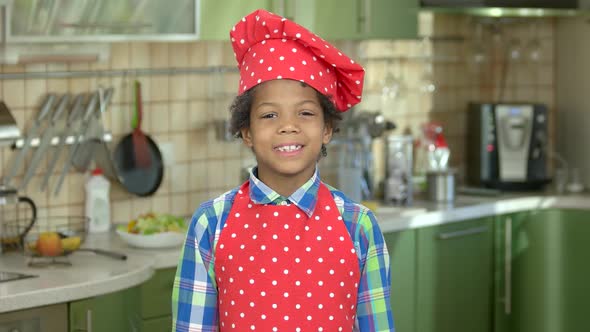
column 141, row 147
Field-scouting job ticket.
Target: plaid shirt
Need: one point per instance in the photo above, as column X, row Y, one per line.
column 194, row 297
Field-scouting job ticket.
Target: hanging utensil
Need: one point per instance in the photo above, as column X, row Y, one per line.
column 94, row 134
column 79, row 138
column 141, row 181
column 16, row 164
column 140, row 142
column 74, row 113
column 45, row 141
column 99, row 148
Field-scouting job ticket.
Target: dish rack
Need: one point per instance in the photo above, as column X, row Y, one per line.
column 73, row 228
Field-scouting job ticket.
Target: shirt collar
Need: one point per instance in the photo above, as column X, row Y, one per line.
column 305, row 197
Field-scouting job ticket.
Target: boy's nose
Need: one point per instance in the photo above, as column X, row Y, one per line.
column 288, row 126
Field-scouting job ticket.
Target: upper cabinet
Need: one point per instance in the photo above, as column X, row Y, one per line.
column 50, row 21
column 219, row 16
column 390, row 19
column 353, row 19
column 46, row 21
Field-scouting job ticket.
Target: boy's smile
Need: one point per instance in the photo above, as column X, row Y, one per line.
column 286, row 133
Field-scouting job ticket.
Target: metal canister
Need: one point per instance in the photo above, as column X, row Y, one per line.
column 441, row 185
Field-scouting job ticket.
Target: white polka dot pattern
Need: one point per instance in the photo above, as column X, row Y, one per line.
column 290, row 51
column 305, row 278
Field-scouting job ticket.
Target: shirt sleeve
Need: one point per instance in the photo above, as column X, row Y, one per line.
column 194, row 295
column 373, row 303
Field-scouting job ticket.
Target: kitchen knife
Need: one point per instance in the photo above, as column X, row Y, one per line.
column 16, row 164
column 79, row 138
column 45, row 141
column 94, row 134
column 76, row 109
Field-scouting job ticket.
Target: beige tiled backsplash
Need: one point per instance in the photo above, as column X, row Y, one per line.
column 181, row 110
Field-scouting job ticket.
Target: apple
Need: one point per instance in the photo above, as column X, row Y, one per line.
column 49, row 244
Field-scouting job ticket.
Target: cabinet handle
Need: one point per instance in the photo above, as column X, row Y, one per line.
column 461, row 233
column 88, row 323
column 508, row 266
column 364, row 17
column 89, row 320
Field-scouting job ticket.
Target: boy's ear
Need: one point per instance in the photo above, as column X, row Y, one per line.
column 246, row 136
column 328, row 131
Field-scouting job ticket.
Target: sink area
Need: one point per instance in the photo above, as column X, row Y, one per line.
column 11, row 276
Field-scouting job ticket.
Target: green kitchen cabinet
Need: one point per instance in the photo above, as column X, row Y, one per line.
column 144, row 308
column 329, row 19
column 389, row 19
column 109, row 312
column 152, row 301
column 454, row 284
column 217, row 17
column 402, row 253
column 353, row 19
column 542, row 272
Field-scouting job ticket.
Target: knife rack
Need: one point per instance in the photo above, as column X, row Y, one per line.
column 70, row 140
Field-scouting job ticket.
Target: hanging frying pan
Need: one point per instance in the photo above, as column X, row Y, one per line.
column 138, row 178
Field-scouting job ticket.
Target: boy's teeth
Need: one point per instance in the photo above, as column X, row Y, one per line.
column 289, row 148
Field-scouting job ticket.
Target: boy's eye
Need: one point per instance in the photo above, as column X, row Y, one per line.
column 268, row 115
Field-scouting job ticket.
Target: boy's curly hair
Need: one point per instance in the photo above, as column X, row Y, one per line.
column 242, row 104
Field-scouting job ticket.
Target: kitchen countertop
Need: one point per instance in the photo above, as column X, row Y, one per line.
column 424, row 214
column 89, row 274
column 92, row 275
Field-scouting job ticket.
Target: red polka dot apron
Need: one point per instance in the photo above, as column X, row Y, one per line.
column 279, row 270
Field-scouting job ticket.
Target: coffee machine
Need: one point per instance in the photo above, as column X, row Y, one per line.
column 507, row 146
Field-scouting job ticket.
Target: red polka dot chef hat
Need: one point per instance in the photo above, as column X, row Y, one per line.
column 268, row 47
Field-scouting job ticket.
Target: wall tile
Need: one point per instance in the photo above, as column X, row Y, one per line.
column 159, row 89
column 178, row 55
column 13, row 92
column 197, row 54
column 215, row 174
column 35, row 92
column 139, row 55
column 198, row 175
column 120, row 56
column 179, row 178
column 159, row 55
column 179, row 205
column 161, row 205
column 141, row 206
column 179, row 88
column 179, row 118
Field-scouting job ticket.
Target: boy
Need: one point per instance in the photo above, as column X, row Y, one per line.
column 283, row 252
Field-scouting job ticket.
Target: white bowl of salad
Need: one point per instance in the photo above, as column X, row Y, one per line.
column 154, row 230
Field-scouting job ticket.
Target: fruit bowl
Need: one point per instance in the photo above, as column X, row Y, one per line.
column 152, row 241
column 52, row 239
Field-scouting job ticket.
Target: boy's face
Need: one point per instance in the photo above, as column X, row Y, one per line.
column 286, row 130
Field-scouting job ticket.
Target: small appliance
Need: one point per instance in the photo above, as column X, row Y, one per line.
column 507, row 146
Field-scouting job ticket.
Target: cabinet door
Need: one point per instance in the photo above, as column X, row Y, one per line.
column 41, row 319
column 454, row 277
column 102, row 313
column 105, row 20
column 156, row 294
column 156, row 324
column 390, row 19
column 402, row 253
column 543, row 281
column 218, row 16
column 353, row 19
